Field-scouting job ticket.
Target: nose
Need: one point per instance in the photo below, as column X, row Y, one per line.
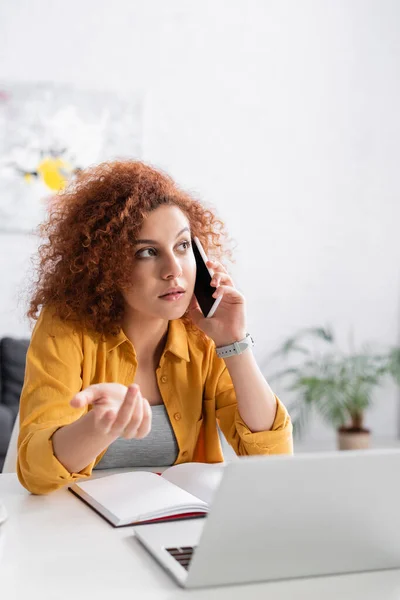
column 171, row 268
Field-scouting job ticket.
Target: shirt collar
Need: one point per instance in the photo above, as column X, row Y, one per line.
column 113, row 341
column 176, row 343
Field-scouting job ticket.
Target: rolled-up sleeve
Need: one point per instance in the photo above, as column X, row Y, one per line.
column 52, row 377
column 277, row 440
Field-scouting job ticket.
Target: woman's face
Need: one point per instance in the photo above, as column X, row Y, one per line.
column 164, row 269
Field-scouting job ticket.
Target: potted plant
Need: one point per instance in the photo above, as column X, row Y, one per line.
column 338, row 386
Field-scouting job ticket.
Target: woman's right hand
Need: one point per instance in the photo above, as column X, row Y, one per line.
column 118, row 411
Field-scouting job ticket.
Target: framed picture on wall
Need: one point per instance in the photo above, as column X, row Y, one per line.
column 48, row 132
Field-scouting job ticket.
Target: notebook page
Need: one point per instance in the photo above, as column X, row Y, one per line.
column 134, row 496
column 199, row 479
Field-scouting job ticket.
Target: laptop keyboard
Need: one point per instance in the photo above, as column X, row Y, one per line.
column 183, row 555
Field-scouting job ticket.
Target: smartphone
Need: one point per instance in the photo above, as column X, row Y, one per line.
column 202, row 287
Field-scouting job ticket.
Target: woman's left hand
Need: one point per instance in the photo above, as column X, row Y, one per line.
column 228, row 324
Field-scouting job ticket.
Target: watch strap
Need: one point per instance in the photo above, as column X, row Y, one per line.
column 236, row 348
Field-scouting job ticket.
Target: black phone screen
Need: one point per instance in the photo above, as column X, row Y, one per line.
column 202, row 288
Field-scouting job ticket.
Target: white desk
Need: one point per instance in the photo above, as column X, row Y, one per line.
column 55, row 547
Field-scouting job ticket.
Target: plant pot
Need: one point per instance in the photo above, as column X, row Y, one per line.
column 352, row 439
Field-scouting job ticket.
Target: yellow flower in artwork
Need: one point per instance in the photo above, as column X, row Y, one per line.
column 55, row 172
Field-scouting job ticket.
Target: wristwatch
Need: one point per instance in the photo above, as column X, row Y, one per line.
column 236, row 348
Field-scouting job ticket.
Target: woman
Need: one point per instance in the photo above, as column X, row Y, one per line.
column 122, row 369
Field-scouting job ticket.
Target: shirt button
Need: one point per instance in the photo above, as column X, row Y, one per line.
column 185, row 453
column 164, row 379
column 177, row 416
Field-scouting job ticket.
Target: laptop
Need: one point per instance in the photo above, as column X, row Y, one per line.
column 282, row 517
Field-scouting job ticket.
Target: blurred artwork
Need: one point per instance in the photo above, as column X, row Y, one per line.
column 48, row 133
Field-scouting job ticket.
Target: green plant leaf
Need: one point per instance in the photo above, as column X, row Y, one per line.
column 284, row 373
column 292, row 344
column 337, row 386
column 394, row 364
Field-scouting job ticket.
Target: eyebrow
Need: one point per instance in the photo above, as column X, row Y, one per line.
column 156, row 243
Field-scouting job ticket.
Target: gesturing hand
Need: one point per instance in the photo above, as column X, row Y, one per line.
column 119, row 411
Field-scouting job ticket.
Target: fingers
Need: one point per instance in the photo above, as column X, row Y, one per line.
column 216, row 266
column 117, row 410
column 221, row 279
column 130, row 427
column 230, row 294
column 133, row 419
column 97, row 393
column 104, row 420
column 127, row 409
column 85, row 397
column 220, row 276
column 145, row 425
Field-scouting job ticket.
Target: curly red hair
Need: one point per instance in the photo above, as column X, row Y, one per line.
column 89, row 238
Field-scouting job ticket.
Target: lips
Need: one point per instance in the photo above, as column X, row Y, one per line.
column 173, row 292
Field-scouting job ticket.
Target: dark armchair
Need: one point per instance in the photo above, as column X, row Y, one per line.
column 12, row 370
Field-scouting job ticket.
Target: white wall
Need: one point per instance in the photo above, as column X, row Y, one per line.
column 283, row 114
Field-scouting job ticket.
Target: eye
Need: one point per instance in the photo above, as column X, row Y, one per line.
column 146, row 253
column 184, row 245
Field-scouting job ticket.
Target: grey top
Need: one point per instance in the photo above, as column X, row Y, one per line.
column 158, row 449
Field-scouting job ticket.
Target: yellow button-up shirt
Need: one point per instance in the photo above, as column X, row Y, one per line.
column 194, row 383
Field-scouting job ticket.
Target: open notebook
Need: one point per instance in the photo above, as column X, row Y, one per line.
column 137, row 497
